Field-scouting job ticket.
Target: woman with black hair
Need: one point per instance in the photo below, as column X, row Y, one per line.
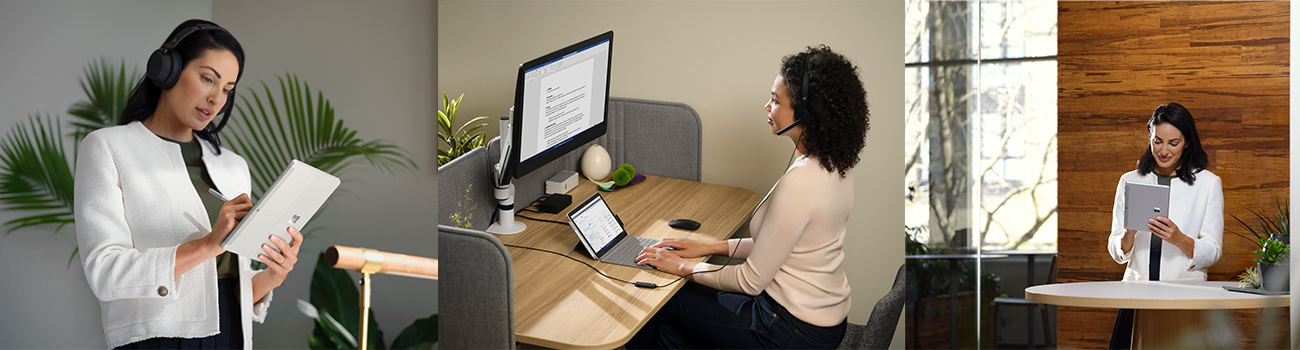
column 791, row 291
column 1183, row 245
column 149, row 233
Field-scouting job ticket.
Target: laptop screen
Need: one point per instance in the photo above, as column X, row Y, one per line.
column 596, row 223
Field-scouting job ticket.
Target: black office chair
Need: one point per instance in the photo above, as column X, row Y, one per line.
column 878, row 333
column 1042, row 309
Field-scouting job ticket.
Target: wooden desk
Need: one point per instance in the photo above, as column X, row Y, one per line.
column 565, row 305
column 1165, row 309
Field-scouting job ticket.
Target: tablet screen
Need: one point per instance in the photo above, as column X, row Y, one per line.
column 596, row 223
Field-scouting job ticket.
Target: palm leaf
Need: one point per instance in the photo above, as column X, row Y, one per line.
column 1268, row 225
column 106, row 91
column 271, row 131
column 35, row 174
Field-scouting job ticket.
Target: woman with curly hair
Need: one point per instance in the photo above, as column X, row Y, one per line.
column 791, row 291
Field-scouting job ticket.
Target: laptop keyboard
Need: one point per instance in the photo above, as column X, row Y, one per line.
column 625, row 252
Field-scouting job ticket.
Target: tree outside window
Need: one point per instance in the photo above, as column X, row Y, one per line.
column 981, row 125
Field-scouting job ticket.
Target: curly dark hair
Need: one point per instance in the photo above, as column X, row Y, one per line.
column 837, row 101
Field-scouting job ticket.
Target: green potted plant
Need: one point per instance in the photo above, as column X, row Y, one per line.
column 1273, row 235
column 462, row 140
column 1274, row 265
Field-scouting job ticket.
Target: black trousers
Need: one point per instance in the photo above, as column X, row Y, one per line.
column 1122, row 336
column 230, row 337
column 700, row 317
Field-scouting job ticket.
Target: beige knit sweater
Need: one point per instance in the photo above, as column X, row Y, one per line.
column 796, row 254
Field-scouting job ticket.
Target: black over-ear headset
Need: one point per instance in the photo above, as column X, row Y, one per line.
column 801, row 113
column 164, row 67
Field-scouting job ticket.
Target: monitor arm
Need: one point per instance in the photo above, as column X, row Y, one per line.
column 504, row 190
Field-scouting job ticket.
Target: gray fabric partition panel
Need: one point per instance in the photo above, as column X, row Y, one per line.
column 469, row 172
column 658, row 138
column 475, row 291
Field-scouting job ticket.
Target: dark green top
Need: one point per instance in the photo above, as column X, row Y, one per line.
column 1164, row 180
column 192, row 153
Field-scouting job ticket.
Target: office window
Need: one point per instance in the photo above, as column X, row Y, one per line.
column 981, row 124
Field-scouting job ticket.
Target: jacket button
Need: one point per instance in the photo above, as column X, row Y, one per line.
column 162, row 291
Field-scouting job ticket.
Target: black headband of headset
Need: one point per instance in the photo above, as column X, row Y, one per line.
column 198, row 27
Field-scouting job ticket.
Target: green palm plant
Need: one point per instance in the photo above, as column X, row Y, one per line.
column 270, row 132
column 106, row 94
column 462, row 140
column 35, row 174
column 35, row 170
column 1278, row 223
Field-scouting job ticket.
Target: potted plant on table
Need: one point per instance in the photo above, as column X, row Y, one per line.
column 1274, row 265
column 1273, row 235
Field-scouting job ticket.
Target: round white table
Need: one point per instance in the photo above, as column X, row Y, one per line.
column 1164, row 309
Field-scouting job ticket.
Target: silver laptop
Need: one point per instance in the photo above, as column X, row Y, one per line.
column 290, row 202
column 1144, row 201
column 603, row 235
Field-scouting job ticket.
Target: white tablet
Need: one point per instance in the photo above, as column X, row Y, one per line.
column 1144, row 201
column 290, row 202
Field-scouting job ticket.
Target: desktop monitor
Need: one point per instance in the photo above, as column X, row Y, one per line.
column 560, row 103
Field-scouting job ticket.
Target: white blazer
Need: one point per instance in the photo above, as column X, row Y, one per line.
column 1197, row 209
column 134, row 205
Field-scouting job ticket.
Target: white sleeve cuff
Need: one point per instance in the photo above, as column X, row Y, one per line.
column 1120, row 256
column 260, row 308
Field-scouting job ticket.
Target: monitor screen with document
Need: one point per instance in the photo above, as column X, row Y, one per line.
column 560, row 103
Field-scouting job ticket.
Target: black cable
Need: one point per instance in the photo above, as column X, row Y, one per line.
column 542, row 220
column 571, row 258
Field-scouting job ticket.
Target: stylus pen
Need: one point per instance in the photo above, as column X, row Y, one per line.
column 220, row 196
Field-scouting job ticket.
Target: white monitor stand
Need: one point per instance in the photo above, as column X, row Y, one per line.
column 504, row 190
column 506, row 224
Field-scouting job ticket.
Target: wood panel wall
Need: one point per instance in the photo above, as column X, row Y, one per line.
column 1228, row 63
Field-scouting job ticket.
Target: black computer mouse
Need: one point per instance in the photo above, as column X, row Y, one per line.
column 685, row 224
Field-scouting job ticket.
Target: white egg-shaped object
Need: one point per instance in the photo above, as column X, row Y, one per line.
column 595, row 163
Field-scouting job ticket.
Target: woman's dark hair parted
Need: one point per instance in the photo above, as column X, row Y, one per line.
column 1194, row 159
column 837, row 101
column 144, row 98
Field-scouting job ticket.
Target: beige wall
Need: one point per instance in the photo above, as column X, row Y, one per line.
column 374, row 62
column 720, row 58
